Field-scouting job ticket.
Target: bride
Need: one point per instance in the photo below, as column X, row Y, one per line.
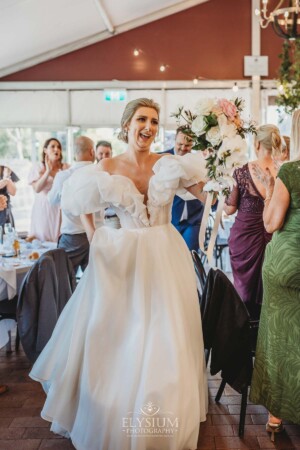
column 124, row 368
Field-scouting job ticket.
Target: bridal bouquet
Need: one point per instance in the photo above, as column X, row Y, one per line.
column 217, row 128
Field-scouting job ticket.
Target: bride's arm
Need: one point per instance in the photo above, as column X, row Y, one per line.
column 197, row 191
column 89, row 226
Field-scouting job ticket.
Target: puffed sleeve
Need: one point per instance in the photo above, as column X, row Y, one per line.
column 173, row 174
column 84, row 191
column 35, row 172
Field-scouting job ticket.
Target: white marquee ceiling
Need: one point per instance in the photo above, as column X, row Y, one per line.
column 33, row 31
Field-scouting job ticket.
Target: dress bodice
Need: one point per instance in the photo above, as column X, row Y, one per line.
column 92, row 189
column 245, row 195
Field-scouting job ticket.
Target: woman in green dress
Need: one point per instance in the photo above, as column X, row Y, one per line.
column 276, row 380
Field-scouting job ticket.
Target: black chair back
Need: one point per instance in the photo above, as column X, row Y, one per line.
column 45, row 291
column 227, row 334
column 200, row 271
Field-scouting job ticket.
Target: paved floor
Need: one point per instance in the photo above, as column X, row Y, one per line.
column 22, row 428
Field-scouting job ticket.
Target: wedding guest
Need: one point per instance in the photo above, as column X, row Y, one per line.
column 3, row 205
column 128, row 345
column 275, row 381
column 248, row 237
column 7, row 187
column 187, row 211
column 73, row 237
column 45, row 218
column 103, row 150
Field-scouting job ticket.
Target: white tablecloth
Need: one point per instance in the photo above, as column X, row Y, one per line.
column 11, row 277
column 13, row 270
column 12, row 273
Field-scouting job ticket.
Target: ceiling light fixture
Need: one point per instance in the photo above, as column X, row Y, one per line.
column 235, row 87
column 284, row 18
column 163, row 67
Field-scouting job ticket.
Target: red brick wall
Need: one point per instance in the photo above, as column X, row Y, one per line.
column 209, row 41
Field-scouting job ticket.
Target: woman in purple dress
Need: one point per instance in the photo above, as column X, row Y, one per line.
column 248, row 237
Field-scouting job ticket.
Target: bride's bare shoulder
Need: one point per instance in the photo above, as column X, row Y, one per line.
column 158, row 156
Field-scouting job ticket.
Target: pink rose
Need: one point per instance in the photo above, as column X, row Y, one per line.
column 228, row 108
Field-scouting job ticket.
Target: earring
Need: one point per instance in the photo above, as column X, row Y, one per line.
column 125, row 132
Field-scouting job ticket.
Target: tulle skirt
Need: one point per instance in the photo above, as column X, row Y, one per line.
column 125, row 368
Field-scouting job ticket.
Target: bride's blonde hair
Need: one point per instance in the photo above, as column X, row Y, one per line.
column 130, row 110
column 295, row 136
column 269, row 136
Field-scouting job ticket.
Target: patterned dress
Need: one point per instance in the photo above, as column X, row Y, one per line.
column 276, row 376
column 248, row 240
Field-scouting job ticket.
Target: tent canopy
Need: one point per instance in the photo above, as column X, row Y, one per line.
column 34, row 31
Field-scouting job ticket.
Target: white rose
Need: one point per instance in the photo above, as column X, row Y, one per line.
column 198, row 126
column 226, row 182
column 227, row 129
column 213, row 136
column 236, row 159
column 222, row 170
column 204, row 106
column 222, row 120
column 212, row 185
column 235, row 144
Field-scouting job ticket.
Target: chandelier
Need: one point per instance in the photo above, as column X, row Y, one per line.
column 284, row 18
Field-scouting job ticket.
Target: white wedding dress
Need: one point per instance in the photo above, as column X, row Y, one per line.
column 124, row 368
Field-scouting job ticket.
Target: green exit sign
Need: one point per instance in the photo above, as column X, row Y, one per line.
column 115, row 96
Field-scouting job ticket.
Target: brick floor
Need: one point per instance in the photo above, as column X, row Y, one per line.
column 22, row 428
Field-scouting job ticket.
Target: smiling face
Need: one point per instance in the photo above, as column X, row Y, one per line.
column 102, row 152
column 53, row 150
column 142, row 128
column 183, row 144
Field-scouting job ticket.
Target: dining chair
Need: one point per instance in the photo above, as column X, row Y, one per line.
column 227, row 336
column 44, row 293
column 200, row 272
column 220, row 245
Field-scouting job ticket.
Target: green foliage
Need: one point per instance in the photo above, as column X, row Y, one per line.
column 289, row 77
column 211, row 120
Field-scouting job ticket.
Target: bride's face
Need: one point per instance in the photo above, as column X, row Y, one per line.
column 143, row 128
